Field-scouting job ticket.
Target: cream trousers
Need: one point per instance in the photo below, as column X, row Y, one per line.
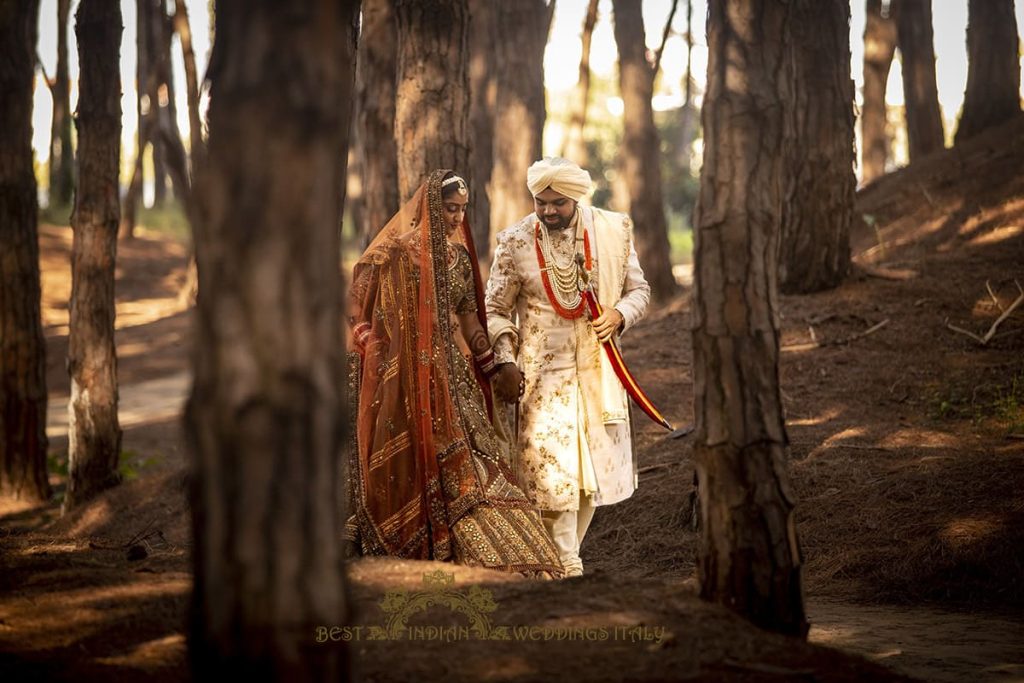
column 567, row 530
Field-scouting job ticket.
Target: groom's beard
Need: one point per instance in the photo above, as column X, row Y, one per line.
column 561, row 224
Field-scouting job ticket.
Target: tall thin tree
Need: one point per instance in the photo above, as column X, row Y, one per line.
column 183, row 28
column 432, row 111
column 265, row 422
column 748, row 559
column 879, row 48
column 640, row 162
column 61, row 155
column 814, row 245
column 22, row 348
column 161, row 106
column 483, row 90
column 993, row 67
column 574, row 146
column 521, row 111
column 920, row 91
column 375, row 114
column 94, row 434
column 146, row 87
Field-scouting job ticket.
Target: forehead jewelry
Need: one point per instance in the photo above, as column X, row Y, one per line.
column 463, row 190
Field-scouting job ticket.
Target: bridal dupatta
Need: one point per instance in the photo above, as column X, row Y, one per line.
column 425, row 486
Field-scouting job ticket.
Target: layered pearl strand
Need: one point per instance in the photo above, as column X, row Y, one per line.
column 562, row 280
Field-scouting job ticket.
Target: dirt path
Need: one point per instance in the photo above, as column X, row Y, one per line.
column 921, row 642
column 930, row 644
column 154, row 400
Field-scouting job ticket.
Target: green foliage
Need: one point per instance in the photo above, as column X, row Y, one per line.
column 131, row 464
column 169, row 220
column 57, row 463
column 1000, row 403
column 55, row 214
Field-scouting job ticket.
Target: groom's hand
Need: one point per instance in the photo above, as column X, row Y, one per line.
column 607, row 324
column 508, row 383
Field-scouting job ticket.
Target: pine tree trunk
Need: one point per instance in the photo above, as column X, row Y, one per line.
column 195, row 125
column 265, row 422
column 920, row 92
column 520, row 110
column 640, row 161
column 432, row 110
column 483, row 101
column 22, row 349
column 61, row 154
column 160, row 61
column 749, row 558
column 94, row 434
column 375, row 84
column 879, row 48
column 574, row 146
column 993, row 71
column 814, row 244
column 145, row 90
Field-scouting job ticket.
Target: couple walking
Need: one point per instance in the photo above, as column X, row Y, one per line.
column 490, row 425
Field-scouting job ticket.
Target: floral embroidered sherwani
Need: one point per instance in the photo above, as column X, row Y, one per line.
column 569, row 439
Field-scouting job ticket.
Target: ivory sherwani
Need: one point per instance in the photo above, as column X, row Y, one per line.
column 574, row 432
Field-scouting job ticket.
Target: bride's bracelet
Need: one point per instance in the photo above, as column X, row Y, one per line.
column 486, row 362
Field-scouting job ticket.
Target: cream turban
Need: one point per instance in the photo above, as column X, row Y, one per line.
column 561, row 175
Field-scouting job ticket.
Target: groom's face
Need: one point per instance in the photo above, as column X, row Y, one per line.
column 556, row 210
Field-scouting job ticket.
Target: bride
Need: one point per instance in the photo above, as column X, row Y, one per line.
column 429, row 480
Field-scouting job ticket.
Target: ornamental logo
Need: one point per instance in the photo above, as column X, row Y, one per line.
column 476, row 606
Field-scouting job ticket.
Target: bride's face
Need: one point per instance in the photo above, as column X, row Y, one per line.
column 454, row 209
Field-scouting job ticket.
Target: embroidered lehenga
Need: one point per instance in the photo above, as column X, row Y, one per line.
column 429, row 480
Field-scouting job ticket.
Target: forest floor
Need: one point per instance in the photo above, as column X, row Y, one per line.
column 907, row 459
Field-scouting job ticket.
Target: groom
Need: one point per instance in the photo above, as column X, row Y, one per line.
column 574, row 449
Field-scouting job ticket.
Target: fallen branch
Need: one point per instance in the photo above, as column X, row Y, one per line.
column 882, row 273
column 993, row 296
column 836, row 342
column 659, row 466
column 995, row 326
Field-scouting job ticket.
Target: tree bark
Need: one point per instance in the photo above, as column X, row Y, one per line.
column 574, row 147
column 94, row 434
column 162, row 107
column 520, row 110
column 432, row 110
column 879, row 48
column 814, row 245
column 195, row 124
column 375, row 110
column 749, row 558
column 61, row 155
column 265, row 420
column 22, row 348
column 483, row 88
column 921, row 95
column 145, row 92
column 993, row 70
column 640, row 161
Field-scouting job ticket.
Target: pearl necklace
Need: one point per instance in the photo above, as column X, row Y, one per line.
column 564, row 294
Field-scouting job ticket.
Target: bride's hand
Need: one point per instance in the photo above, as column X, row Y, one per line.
column 508, row 383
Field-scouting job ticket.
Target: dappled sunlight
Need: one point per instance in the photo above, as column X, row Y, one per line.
column 846, row 434
column 967, row 531
column 143, row 311
column 61, row 617
column 997, row 235
column 94, row 515
column 822, row 418
column 919, row 437
column 140, row 403
column 159, row 652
